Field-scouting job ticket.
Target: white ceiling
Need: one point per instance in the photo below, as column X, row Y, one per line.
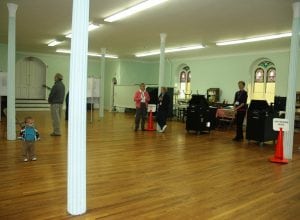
column 184, row 21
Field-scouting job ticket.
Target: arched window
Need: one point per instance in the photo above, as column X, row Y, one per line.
column 264, row 81
column 259, row 75
column 271, row 75
column 185, row 82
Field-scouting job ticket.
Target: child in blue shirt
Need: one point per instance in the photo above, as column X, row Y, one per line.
column 29, row 135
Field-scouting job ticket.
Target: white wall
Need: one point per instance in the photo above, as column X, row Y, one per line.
column 224, row 72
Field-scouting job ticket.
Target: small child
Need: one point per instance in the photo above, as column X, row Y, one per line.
column 29, row 135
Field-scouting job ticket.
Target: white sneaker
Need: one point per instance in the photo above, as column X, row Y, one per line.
column 164, row 128
column 158, row 128
column 25, row 160
column 33, row 159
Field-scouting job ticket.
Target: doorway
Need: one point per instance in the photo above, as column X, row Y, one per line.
column 30, row 79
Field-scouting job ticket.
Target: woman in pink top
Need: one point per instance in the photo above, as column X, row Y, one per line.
column 141, row 98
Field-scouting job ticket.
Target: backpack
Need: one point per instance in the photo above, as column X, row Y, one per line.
column 29, row 134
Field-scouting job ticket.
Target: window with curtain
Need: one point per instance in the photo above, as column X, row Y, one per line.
column 264, row 81
column 185, row 82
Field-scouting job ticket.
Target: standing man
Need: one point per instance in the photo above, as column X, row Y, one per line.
column 163, row 110
column 240, row 106
column 141, row 98
column 56, row 100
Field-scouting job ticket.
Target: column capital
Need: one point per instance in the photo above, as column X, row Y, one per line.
column 163, row 37
column 296, row 8
column 12, row 9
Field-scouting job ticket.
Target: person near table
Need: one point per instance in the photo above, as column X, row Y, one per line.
column 141, row 99
column 240, row 106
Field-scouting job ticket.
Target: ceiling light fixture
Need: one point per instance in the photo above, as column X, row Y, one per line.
column 171, row 50
column 106, row 55
column 254, row 39
column 90, row 54
column 54, row 43
column 134, row 9
column 91, row 27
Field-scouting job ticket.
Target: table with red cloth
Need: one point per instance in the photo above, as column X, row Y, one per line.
column 225, row 113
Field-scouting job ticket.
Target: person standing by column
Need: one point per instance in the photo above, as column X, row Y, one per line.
column 141, row 98
column 56, row 100
column 240, row 106
column 163, row 110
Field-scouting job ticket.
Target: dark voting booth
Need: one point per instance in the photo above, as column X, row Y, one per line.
column 3, row 105
column 198, row 114
column 260, row 122
column 279, row 103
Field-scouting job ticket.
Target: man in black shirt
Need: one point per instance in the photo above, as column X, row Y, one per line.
column 240, row 106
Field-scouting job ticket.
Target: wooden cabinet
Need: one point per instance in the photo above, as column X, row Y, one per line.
column 213, row 95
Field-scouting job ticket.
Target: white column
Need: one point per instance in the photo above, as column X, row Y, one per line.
column 77, row 109
column 11, row 66
column 102, row 78
column 291, row 93
column 161, row 76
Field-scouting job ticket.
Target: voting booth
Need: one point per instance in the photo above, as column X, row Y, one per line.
column 93, row 93
column 259, row 122
column 93, row 90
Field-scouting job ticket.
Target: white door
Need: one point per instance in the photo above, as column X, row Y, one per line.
column 30, row 78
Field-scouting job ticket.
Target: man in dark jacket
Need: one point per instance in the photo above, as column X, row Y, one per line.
column 56, row 100
column 163, row 110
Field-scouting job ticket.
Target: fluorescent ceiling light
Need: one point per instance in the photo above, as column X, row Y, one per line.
column 254, row 39
column 170, row 50
column 134, row 9
column 54, row 43
column 106, row 55
column 69, row 35
column 90, row 28
column 90, row 54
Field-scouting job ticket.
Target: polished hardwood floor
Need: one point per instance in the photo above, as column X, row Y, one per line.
column 149, row 175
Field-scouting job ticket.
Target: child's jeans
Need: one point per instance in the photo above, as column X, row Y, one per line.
column 28, row 150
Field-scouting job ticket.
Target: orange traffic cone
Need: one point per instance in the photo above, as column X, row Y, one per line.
column 150, row 122
column 278, row 156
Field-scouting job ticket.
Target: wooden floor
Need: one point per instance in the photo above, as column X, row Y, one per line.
column 148, row 175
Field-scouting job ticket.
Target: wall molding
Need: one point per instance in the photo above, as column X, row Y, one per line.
column 230, row 55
